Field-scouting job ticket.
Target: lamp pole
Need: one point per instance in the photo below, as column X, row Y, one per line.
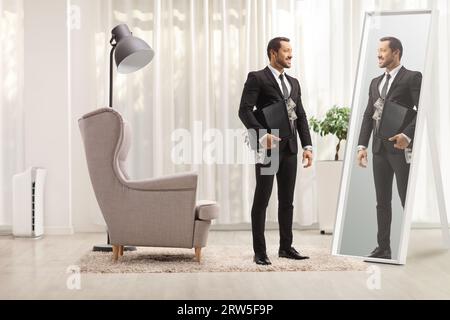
column 111, row 70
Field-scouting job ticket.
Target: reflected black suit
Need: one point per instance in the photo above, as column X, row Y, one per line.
column 261, row 90
column 388, row 160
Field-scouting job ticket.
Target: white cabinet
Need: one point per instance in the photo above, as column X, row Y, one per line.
column 328, row 185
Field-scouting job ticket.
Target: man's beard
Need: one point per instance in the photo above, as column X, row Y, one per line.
column 283, row 63
column 385, row 63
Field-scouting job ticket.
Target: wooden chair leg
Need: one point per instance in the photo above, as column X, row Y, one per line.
column 120, row 251
column 115, row 253
column 198, row 254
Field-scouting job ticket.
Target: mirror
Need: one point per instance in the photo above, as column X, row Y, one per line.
column 371, row 216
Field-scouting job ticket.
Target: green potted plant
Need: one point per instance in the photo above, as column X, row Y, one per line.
column 328, row 173
column 336, row 123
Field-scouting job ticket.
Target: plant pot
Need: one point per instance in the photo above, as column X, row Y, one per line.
column 328, row 184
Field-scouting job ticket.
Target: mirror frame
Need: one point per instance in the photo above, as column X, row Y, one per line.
column 352, row 136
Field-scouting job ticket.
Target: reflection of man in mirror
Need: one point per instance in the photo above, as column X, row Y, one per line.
column 389, row 156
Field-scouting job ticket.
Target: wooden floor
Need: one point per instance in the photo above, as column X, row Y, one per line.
column 36, row 269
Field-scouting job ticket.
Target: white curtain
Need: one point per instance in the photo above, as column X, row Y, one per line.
column 438, row 122
column 204, row 50
column 11, row 105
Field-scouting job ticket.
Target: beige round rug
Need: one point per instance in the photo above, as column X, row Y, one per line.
column 214, row 259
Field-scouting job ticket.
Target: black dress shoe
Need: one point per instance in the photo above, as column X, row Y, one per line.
column 262, row 259
column 380, row 253
column 291, row 253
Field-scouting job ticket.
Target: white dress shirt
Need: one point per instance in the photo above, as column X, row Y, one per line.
column 393, row 74
column 277, row 74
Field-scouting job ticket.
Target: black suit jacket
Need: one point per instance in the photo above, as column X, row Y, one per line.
column 261, row 90
column 405, row 90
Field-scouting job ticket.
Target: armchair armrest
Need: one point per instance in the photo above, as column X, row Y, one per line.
column 207, row 210
column 176, row 182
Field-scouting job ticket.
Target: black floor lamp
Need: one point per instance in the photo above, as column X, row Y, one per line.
column 131, row 54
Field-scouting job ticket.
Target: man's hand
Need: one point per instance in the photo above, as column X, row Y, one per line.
column 268, row 141
column 401, row 142
column 308, row 156
column 362, row 158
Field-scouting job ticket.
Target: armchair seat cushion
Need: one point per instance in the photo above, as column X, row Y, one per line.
column 206, row 210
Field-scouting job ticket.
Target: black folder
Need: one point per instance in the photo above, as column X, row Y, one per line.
column 275, row 116
column 394, row 119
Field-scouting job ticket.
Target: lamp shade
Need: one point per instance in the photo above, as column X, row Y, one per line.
column 131, row 53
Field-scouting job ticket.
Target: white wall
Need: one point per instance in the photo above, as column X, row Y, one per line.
column 47, row 105
column 59, row 89
column 11, row 105
column 85, row 211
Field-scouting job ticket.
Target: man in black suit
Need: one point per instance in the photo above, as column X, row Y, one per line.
column 389, row 156
column 264, row 88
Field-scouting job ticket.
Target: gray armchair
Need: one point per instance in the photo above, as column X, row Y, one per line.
column 160, row 212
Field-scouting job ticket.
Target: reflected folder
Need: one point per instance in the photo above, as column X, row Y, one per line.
column 394, row 119
column 275, row 116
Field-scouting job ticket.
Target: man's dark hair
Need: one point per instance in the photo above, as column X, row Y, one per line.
column 275, row 44
column 394, row 44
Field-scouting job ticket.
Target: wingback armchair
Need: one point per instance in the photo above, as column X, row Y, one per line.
column 159, row 212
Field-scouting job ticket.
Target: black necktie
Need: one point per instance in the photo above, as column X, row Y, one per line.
column 285, row 89
column 385, row 87
column 286, row 97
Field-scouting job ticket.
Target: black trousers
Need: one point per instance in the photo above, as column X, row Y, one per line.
column 286, row 176
column 385, row 165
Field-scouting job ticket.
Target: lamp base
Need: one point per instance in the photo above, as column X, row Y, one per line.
column 108, row 248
